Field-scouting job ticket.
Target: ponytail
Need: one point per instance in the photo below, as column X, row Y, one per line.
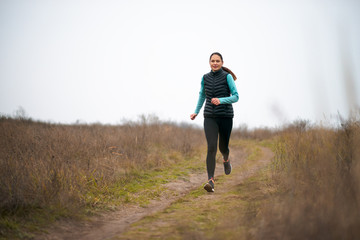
column 229, row 71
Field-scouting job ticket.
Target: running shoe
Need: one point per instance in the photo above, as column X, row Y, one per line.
column 227, row 167
column 209, row 186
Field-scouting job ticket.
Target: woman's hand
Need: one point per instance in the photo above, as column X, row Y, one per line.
column 215, row 101
column 193, row 116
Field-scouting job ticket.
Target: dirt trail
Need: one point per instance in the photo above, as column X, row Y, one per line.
column 115, row 223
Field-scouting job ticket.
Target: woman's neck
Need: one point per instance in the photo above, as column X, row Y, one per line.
column 216, row 70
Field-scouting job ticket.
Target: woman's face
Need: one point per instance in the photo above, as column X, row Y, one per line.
column 215, row 62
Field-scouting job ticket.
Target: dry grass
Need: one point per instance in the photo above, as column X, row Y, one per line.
column 311, row 192
column 317, row 174
column 311, row 189
column 45, row 165
column 242, row 132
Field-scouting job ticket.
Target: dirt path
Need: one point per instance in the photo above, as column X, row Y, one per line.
column 115, row 223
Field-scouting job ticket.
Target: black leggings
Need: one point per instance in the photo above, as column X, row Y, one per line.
column 215, row 127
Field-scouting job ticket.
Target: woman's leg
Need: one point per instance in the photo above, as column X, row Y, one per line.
column 225, row 127
column 211, row 129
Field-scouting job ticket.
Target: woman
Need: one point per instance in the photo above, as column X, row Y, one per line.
column 219, row 90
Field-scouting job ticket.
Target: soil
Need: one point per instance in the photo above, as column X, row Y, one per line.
column 112, row 224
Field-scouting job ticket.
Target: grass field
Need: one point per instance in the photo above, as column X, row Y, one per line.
column 309, row 190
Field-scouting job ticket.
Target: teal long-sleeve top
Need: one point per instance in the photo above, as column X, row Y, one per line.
column 225, row 100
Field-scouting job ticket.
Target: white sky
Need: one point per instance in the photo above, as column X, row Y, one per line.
column 105, row 61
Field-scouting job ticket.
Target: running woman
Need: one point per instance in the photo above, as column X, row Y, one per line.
column 219, row 90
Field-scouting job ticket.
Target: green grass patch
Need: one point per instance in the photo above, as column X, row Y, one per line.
column 25, row 222
column 140, row 187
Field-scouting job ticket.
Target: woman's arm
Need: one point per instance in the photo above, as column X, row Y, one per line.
column 234, row 93
column 202, row 97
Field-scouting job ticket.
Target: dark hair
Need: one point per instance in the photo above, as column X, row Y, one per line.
column 225, row 68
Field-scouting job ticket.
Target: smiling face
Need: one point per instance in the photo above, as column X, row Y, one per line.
column 215, row 62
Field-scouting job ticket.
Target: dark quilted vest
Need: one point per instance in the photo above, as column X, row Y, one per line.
column 215, row 85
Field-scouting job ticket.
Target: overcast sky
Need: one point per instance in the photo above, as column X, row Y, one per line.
column 105, row 61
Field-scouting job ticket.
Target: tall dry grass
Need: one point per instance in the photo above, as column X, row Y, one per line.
column 264, row 133
column 316, row 171
column 45, row 164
